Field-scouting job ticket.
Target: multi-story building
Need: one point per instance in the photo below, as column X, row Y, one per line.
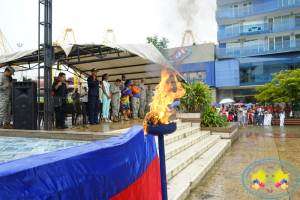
column 256, row 39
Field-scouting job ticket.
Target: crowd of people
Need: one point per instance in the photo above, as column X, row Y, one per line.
column 259, row 114
column 131, row 99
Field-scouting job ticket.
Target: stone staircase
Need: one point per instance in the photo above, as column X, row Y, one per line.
column 190, row 153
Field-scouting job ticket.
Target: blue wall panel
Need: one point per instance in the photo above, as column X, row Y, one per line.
column 227, row 73
column 258, row 6
column 208, row 67
column 271, row 4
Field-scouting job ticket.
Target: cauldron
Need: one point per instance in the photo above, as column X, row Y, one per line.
column 162, row 129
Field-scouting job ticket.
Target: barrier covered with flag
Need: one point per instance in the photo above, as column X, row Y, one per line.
column 125, row 167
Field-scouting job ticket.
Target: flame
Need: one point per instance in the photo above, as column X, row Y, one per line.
column 164, row 97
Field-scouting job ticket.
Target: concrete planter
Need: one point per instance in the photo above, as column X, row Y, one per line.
column 195, row 118
column 228, row 132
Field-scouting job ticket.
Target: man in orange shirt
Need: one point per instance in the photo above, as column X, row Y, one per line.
column 135, row 99
column 277, row 110
column 287, row 109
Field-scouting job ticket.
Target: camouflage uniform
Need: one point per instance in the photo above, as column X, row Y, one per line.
column 135, row 101
column 115, row 98
column 5, row 104
column 149, row 95
column 135, row 104
column 142, row 99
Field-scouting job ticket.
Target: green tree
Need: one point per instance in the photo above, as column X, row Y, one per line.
column 197, row 96
column 285, row 87
column 161, row 44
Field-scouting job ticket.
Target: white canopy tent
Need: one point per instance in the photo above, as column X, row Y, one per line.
column 135, row 61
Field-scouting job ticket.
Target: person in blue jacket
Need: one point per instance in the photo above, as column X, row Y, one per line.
column 93, row 97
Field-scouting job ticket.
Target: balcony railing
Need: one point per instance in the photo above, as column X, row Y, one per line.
column 237, row 12
column 268, row 48
column 288, row 25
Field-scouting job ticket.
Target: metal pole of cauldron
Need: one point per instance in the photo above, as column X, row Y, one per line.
column 162, row 162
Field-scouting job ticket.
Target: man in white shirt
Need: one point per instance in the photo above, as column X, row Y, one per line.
column 84, row 96
column 260, row 112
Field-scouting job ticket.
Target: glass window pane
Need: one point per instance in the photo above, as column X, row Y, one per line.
column 286, row 42
column 228, row 29
column 202, row 75
column 271, row 43
column 235, row 28
column 278, row 42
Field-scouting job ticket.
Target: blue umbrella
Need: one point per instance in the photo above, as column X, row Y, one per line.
column 174, row 104
column 249, row 105
column 214, row 104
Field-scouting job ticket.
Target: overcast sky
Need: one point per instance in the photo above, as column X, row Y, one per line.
column 132, row 20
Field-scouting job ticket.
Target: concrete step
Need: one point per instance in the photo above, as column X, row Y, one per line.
column 186, row 157
column 183, row 125
column 183, row 133
column 180, row 145
column 181, row 184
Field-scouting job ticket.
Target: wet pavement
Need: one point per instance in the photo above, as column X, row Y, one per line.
column 224, row 180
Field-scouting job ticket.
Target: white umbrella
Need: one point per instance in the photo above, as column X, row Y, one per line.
column 226, row 101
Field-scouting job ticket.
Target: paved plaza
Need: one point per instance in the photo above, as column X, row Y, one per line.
column 224, row 180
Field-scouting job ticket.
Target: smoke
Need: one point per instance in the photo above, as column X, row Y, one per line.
column 177, row 16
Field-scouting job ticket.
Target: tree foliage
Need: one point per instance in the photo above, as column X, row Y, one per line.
column 161, row 44
column 197, row 96
column 285, row 87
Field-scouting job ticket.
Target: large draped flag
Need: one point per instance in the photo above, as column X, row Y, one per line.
column 125, row 167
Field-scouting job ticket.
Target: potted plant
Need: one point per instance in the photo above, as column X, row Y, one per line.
column 197, row 96
column 217, row 124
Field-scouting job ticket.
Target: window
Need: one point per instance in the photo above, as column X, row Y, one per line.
column 280, row 22
column 247, row 8
column 297, row 37
column 281, row 42
column 233, row 48
column 257, row 25
column 232, row 29
column 234, row 10
column 198, row 75
column 297, row 19
column 284, row 3
column 286, row 42
column 253, row 46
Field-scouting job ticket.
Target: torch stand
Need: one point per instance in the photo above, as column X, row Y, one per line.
column 160, row 131
column 162, row 162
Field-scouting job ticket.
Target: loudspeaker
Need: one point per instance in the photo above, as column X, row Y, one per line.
column 25, row 105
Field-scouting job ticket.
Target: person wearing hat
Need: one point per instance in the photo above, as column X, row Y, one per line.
column 149, row 95
column 93, row 97
column 135, row 100
column 142, row 98
column 115, row 90
column 5, row 93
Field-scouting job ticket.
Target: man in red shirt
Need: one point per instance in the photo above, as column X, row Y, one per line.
column 287, row 109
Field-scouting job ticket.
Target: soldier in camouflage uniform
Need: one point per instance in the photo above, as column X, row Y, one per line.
column 5, row 93
column 142, row 98
column 115, row 90
column 149, row 95
column 135, row 99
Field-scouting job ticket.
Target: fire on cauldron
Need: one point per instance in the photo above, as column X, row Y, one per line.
column 160, row 112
